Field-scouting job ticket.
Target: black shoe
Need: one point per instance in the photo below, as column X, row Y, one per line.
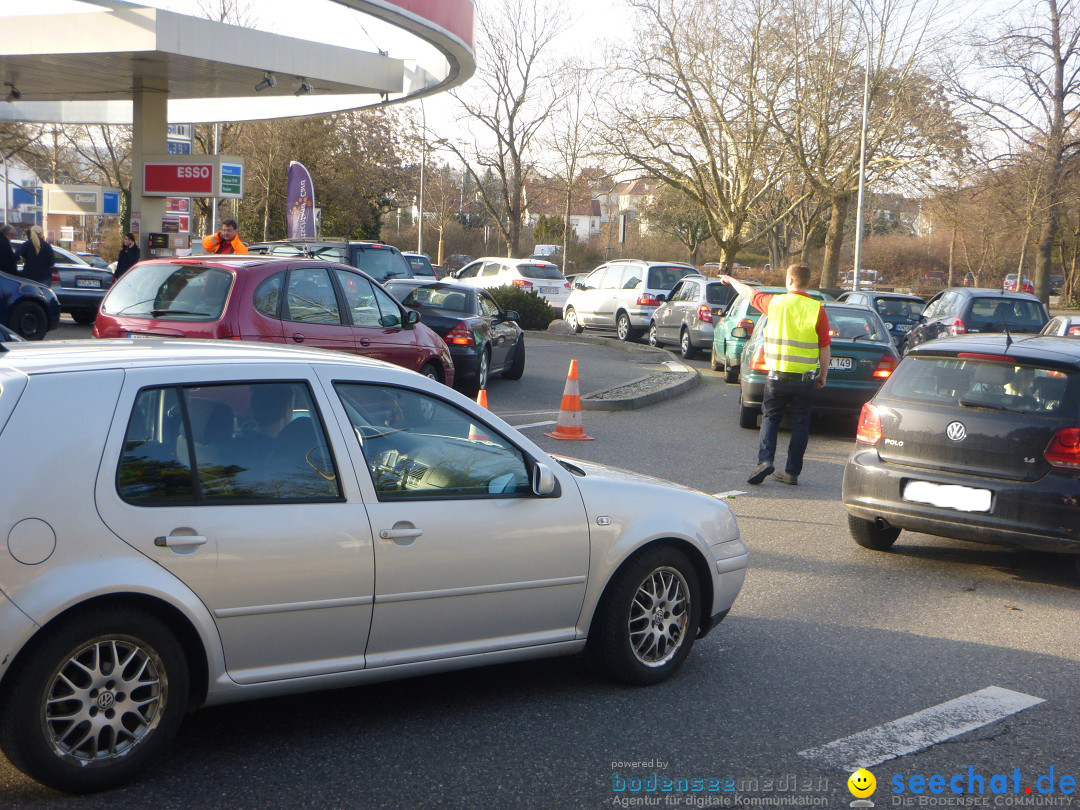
column 760, row 473
column 786, row 478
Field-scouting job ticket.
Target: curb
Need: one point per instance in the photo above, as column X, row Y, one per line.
column 622, row 346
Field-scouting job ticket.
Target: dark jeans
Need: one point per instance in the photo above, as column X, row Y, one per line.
column 780, row 394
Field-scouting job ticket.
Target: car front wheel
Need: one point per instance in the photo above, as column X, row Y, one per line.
column 95, row 700
column 570, row 316
column 29, row 320
column 648, row 618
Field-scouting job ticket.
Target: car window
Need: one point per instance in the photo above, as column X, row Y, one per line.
column 170, row 292
column 691, row 291
column 612, row 277
column 934, row 307
column 360, row 299
column 488, row 307
column 491, row 269
column 719, row 294
column 899, row 308
column 311, row 297
column 540, row 270
column 677, row 291
column 421, row 266
column 593, row 279
column 994, row 312
column 631, row 277
column 267, row 296
column 419, row 447
column 390, row 311
column 664, row 278
column 471, row 270
column 444, row 298
column 380, row 262
column 848, row 324
column 253, row 442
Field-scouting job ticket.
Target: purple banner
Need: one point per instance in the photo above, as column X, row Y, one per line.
column 300, row 203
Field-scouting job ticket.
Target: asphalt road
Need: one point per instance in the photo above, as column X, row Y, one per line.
column 827, row 639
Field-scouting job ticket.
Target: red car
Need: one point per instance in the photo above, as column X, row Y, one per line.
column 271, row 300
column 1012, row 283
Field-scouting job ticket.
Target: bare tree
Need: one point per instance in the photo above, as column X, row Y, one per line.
column 509, row 101
column 675, row 214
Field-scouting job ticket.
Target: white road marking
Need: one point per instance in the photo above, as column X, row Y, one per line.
column 921, row 730
column 673, row 366
column 534, row 424
column 731, row 493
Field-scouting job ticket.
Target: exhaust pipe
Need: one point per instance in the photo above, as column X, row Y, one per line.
column 881, row 523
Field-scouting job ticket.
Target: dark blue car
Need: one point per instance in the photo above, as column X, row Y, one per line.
column 27, row 308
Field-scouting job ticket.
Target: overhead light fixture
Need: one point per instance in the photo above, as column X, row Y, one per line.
column 304, row 88
column 269, row 80
column 14, row 95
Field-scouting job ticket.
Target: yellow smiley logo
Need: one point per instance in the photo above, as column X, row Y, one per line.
column 861, row 783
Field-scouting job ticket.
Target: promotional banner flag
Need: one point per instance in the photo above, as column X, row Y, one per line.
column 300, row 203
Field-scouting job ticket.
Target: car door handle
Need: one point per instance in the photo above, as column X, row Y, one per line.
column 298, row 337
column 365, row 341
column 174, row 540
column 400, row 534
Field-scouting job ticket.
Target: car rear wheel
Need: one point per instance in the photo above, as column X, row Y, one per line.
column 517, row 366
column 869, row 534
column 480, row 381
column 686, row 347
column 570, row 316
column 624, row 328
column 84, row 317
column 95, row 700
column 653, row 340
column 748, row 415
column 714, row 360
column 29, row 321
column 731, row 373
column 648, row 618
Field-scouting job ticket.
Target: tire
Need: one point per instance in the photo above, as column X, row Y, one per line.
column 617, row 641
column 714, row 361
column 869, row 535
column 653, row 341
column 517, row 366
column 731, row 374
column 428, row 370
column 29, row 321
column 624, row 328
column 748, row 415
column 84, row 317
column 483, row 372
column 570, row 316
column 50, row 750
column 687, row 350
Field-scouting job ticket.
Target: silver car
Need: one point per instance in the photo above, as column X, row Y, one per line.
column 245, row 520
column 687, row 317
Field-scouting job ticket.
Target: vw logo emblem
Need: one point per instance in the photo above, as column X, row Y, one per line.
column 106, row 700
column 956, row 431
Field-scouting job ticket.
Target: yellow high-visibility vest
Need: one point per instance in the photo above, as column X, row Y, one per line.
column 791, row 339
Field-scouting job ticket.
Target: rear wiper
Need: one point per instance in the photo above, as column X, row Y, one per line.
column 157, row 313
column 970, row 403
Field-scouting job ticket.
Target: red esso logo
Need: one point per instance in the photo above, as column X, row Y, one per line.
column 193, row 172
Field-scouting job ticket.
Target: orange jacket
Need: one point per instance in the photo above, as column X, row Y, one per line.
column 214, row 244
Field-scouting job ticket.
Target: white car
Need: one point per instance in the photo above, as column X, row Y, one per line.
column 247, row 520
column 536, row 275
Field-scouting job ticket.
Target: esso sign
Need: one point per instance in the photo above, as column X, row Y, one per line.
column 176, row 179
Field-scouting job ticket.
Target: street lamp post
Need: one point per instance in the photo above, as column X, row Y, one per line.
column 862, row 153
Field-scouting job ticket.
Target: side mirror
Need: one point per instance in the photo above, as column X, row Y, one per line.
column 391, row 321
column 411, row 317
column 543, row 481
column 579, row 286
column 512, row 315
column 721, row 311
column 740, row 332
column 661, row 298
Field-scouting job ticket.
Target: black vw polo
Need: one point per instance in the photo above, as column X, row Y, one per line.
column 975, row 438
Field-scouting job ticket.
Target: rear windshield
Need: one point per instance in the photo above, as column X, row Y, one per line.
column 719, row 294
column 664, row 278
column 381, row 263
column 170, row 292
column 994, row 313
column 549, row 271
column 984, row 384
column 850, row 324
column 899, row 308
column 421, row 266
column 449, row 300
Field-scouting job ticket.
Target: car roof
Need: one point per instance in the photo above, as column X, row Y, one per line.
column 990, row 292
column 882, row 294
column 846, row 305
column 88, row 355
column 235, row 261
column 436, row 284
column 1061, row 351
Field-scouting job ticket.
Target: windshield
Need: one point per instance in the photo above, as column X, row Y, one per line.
column 983, row 384
column 995, row 313
column 851, row 324
column 548, row 271
column 664, row 278
column 899, row 309
column 170, row 292
column 381, row 263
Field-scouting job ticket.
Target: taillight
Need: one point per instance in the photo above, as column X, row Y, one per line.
column 460, row 335
column 746, row 324
column 54, row 277
column 757, row 363
column 886, row 367
column 869, row 430
column 648, row 300
column 566, row 284
column 520, row 282
column 704, row 314
column 1074, row 330
column 1064, row 449
column 957, row 328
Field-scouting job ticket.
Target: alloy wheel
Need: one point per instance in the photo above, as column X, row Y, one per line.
column 659, row 615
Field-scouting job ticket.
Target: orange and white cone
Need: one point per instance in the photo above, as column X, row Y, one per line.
column 569, row 425
column 474, row 434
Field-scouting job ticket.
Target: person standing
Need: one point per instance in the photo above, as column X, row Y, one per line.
column 224, row 241
column 37, row 256
column 797, row 354
column 129, row 255
column 7, row 255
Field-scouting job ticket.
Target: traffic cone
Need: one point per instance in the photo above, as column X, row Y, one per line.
column 474, row 434
column 569, row 425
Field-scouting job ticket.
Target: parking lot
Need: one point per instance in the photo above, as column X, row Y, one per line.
column 826, row 640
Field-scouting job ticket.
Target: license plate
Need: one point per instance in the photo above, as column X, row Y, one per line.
column 550, row 290
column 137, row 336
column 948, row 496
column 87, row 282
column 841, row 363
column 903, row 327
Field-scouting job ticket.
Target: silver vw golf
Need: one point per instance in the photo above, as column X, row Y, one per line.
column 244, row 520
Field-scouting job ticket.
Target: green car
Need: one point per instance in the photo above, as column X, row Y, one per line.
column 731, row 334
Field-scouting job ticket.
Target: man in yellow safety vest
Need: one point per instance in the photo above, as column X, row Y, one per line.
column 797, row 358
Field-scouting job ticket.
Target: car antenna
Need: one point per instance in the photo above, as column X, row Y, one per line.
column 1008, row 334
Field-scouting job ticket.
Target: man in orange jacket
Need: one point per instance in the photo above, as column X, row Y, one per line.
column 224, row 241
